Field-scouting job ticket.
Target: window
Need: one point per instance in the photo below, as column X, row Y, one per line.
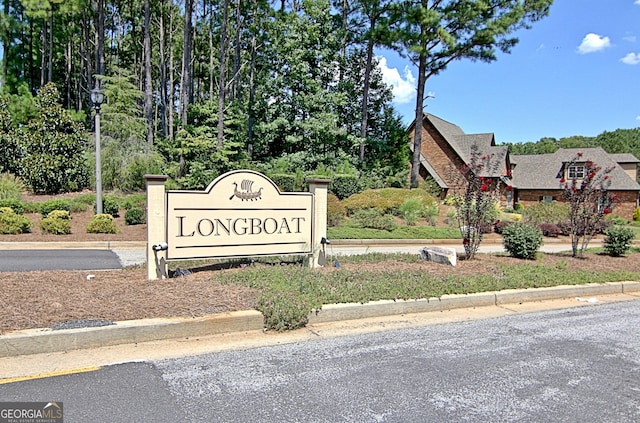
column 546, row 199
column 576, row 171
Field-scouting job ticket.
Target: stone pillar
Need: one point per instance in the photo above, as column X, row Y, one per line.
column 156, row 226
column 319, row 188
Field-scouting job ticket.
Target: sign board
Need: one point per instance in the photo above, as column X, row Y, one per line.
column 241, row 213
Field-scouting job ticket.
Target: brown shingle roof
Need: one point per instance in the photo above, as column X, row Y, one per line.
column 543, row 171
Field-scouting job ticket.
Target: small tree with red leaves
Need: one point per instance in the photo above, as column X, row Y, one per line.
column 589, row 201
column 475, row 208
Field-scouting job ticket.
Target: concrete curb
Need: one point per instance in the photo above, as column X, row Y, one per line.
column 38, row 341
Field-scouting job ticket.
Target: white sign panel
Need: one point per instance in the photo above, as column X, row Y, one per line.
column 240, row 214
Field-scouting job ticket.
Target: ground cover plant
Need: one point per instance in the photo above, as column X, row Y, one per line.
column 284, row 291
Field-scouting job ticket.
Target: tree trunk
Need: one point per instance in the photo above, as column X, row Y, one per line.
column 365, row 96
column 148, row 89
column 417, row 135
column 99, row 65
column 163, row 74
column 185, row 83
column 222, row 81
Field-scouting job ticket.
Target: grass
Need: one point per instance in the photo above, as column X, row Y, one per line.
column 297, row 290
column 400, row 232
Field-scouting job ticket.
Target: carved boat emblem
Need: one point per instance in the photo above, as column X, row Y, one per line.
column 246, row 193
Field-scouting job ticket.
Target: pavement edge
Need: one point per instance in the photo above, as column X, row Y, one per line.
column 38, row 341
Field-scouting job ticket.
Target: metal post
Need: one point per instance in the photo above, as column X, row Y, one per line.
column 98, row 165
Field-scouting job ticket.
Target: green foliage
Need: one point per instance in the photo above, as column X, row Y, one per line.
column 286, row 182
column 101, row 224
column 284, row 310
column 11, row 187
column 58, row 222
column 13, row 223
column 522, row 240
column 618, row 240
column 48, row 206
column 111, row 205
column 134, row 216
column 16, row 205
column 344, row 186
column 134, row 201
column 400, row 232
column 336, row 212
column 411, row 210
column 636, row 215
column 53, row 146
column 386, row 200
column 10, row 153
column 374, row 219
column 543, row 212
column 121, row 115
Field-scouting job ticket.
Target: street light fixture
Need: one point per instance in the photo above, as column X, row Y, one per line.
column 97, row 98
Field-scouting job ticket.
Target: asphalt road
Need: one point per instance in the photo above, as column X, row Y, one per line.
column 67, row 259
column 570, row 365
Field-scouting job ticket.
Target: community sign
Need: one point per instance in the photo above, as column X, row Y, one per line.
column 241, row 213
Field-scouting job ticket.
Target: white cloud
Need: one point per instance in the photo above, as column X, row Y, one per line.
column 592, row 43
column 637, row 2
column 631, row 59
column 404, row 86
column 630, row 38
column 638, row 117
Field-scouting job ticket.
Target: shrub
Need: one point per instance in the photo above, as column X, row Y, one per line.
column 134, row 216
column 344, row 186
column 518, row 208
column 431, row 212
column 636, row 215
column 499, row 226
column 386, row 200
column 618, row 240
column 336, row 212
column 543, row 212
column 522, row 240
column 550, row 230
column 134, row 201
column 286, row 182
column 101, row 224
column 58, row 222
column 11, row 187
column 16, row 205
column 13, row 223
column 411, row 210
column 617, row 220
column 374, row 219
column 110, row 205
column 56, row 204
column 284, row 310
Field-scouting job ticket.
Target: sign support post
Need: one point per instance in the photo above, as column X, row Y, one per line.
column 156, row 226
column 319, row 188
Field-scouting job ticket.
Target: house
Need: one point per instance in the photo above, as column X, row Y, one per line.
column 445, row 149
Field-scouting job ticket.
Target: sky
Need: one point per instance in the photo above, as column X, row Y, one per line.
column 576, row 72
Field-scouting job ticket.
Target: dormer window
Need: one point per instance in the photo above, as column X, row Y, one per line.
column 575, row 172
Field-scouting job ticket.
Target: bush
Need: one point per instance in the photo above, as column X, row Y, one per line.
column 543, row 212
column 411, row 210
column 386, row 200
column 286, row 182
column 431, row 213
column 284, row 310
column 344, row 186
column 618, row 240
column 617, row 220
column 13, row 223
column 499, row 226
column 636, row 215
column 374, row 219
column 11, row 187
column 56, row 204
column 134, row 216
column 16, row 205
column 522, row 240
column 101, row 224
column 58, row 222
column 336, row 212
column 550, row 230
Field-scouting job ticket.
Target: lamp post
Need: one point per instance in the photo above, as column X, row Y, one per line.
column 97, row 98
